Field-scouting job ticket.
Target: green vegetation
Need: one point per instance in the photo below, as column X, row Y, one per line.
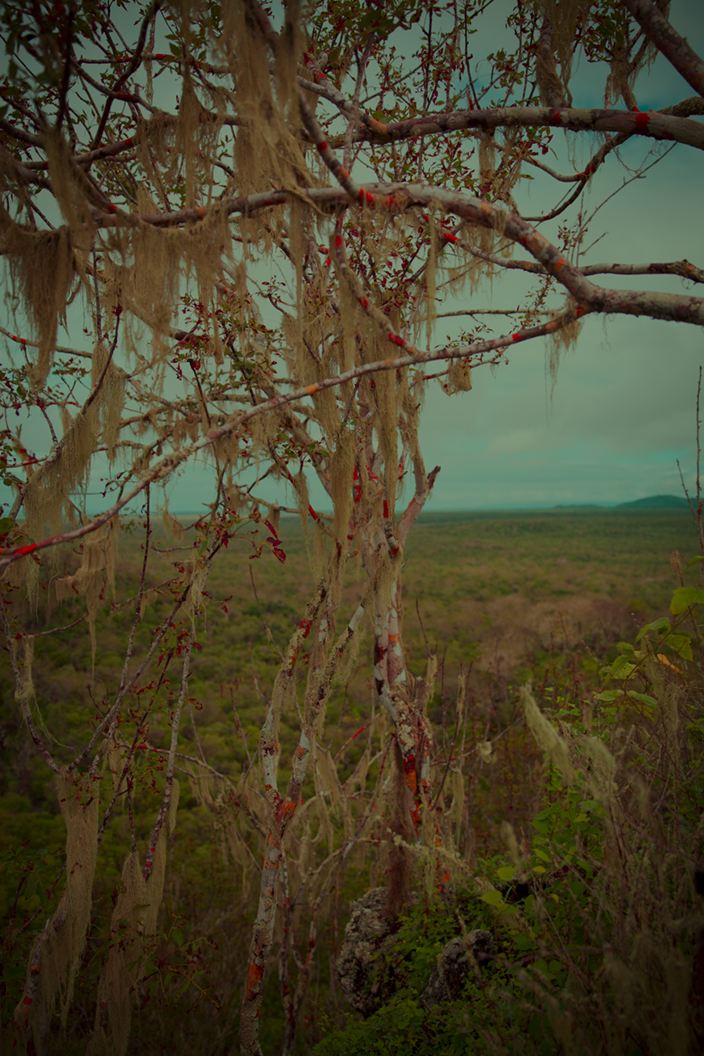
column 597, row 902
column 582, row 605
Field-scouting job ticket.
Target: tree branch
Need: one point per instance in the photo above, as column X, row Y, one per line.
column 653, row 124
column 668, row 41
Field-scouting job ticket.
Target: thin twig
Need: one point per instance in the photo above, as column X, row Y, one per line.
column 696, row 511
column 166, row 797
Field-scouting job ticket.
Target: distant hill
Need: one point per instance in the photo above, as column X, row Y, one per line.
column 655, row 502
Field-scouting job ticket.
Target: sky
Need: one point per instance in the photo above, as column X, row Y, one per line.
column 623, row 408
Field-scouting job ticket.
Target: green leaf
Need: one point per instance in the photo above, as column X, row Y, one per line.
column 662, row 626
column 643, row 698
column 492, row 898
column 506, row 872
column 682, row 645
column 696, row 560
column 684, row 597
column 539, row 853
column 621, row 668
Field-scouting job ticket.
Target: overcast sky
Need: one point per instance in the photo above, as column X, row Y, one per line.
column 623, row 408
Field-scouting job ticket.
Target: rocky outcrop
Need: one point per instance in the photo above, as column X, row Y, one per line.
column 358, row 970
column 454, row 965
column 368, row 972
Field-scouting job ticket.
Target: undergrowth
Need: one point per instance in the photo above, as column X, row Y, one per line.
column 597, row 903
column 572, row 811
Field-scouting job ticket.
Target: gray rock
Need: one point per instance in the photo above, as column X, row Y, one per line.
column 367, row 931
column 454, row 965
column 369, row 972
